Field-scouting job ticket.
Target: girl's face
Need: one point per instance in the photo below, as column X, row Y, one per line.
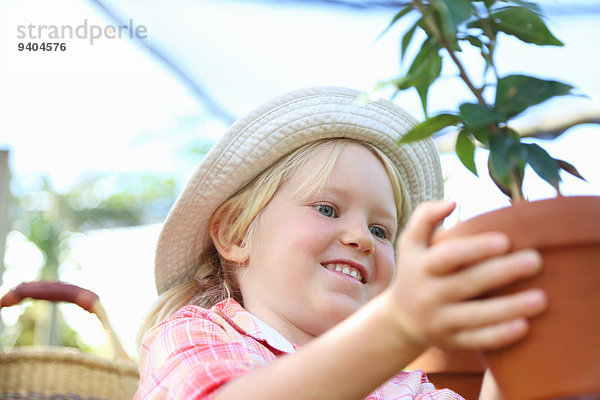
column 313, row 262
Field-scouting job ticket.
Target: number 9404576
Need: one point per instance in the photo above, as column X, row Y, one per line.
column 44, row 46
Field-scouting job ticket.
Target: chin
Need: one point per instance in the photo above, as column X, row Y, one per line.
column 338, row 309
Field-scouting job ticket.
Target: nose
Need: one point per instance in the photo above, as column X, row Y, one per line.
column 359, row 238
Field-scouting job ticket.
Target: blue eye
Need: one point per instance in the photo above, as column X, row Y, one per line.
column 326, row 210
column 379, row 232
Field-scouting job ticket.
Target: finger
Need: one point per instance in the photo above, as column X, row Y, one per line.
column 482, row 312
column 491, row 274
column 489, row 387
column 423, row 222
column 492, row 336
column 452, row 254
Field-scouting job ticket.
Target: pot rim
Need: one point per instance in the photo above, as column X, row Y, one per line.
column 540, row 224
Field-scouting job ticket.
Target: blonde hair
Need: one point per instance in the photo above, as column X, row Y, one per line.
column 216, row 280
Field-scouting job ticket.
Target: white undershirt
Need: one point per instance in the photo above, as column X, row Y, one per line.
column 274, row 338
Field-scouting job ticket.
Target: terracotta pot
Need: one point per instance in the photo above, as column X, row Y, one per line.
column 560, row 357
column 459, row 370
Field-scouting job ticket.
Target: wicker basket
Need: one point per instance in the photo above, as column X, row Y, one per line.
column 42, row 372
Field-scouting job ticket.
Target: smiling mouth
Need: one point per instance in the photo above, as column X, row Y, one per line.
column 346, row 270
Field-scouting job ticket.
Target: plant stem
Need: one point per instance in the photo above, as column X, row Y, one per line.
column 442, row 40
column 515, row 187
column 463, row 74
column 433, row 30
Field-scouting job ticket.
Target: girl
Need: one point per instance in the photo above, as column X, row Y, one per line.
column 282, row 272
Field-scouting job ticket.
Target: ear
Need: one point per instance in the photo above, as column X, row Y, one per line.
column 230, row 251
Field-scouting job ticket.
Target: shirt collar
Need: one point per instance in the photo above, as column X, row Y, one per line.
column 250, row 325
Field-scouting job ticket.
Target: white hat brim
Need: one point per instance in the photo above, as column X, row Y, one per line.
column 268, row 133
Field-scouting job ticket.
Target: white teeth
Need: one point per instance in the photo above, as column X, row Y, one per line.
column 345, row 269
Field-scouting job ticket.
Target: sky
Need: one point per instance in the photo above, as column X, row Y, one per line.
column 111, row 105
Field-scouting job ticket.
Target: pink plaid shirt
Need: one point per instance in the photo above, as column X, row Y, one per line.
column 195, row 351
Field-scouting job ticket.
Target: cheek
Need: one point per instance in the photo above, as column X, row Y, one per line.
column 309, row 233
column 291, row 239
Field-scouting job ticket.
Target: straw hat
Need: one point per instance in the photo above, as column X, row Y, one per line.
column 268, row 133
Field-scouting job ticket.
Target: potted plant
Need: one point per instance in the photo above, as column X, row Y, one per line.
column 561, row 354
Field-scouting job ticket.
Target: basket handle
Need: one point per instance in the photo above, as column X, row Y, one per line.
column 60, row 291
column 51, row 291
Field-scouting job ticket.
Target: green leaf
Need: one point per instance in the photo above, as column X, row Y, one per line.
column 407, row 38
column 425, row 69
column 532, row 6
column 515, row 93
column 543, row 164
column 448, row 15
column 477, row 116
column 482, row 135
column 460, row 11
column 474, row 40
column 565, row 166
column 443, row 19
column 505, row 155
column 465, row 150
column 429, row 49
column 402, row 83
column 499, row 162
column 430, row 126
column 405, row 10
column 524, row 24
column 505, row 186
column 431, row 72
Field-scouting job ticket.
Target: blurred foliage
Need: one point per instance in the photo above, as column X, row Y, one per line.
column 25, row 333
column 49, row 218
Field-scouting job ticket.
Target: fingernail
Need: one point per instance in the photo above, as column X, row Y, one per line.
column 531, row 259
column 536, row 298
column 518, row 325
column 499, row 242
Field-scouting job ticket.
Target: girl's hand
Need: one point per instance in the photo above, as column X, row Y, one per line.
column 434, row 295
column 489, row 388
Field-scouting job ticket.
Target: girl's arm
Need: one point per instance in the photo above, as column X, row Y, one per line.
column 430, row 302
column 347, row 362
